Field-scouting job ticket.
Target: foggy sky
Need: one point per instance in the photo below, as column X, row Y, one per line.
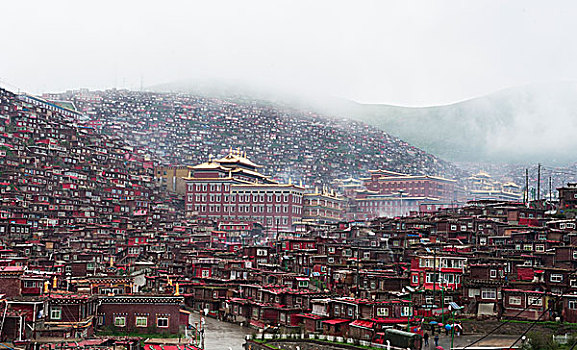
column 400, row 52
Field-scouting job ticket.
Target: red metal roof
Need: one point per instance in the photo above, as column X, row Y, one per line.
column 311, row 316
column 337, row 321
column 170, row 347
column 362, row 324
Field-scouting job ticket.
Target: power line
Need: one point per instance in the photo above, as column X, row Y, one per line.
column 502, row 324
column 533, row 324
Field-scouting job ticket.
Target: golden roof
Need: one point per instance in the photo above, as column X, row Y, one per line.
column 237, row 157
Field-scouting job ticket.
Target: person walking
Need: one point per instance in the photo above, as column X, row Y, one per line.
column 426, row 338
column 436, row 340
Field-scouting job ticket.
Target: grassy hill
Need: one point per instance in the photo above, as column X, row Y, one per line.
column 525, row 124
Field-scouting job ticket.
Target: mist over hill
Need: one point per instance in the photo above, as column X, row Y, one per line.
column 527, row 124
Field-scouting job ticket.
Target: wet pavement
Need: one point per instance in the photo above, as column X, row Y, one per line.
column 228, row 336
column 467, row 340
column 222, row 335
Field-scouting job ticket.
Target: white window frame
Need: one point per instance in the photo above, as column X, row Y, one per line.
column 140, row 318
column 55, row 313
column 534, row 301
column 473, row 292
column 488, row 294
column 120, row 318
column 382, row 312
column 405, row 311
column 556, row 278
column 162, row 318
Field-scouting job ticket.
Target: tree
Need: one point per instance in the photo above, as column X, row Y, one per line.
column 540, row 341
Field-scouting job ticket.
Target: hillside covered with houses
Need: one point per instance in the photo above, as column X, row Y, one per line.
column 95, row 250
column 183, row 129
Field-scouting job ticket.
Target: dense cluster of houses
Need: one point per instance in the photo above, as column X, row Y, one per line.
column 92, row 244
column 492, row 259
column 76, row 204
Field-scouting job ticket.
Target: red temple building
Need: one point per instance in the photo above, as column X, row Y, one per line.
column 231, row 189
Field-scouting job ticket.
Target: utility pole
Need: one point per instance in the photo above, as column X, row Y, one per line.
column 435, row 276
column 526, row 196
column 550, row 190
column 358, row 292
column 276, row 243
column 538, row 182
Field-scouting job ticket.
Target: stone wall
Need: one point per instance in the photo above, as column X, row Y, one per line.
column 513, row 328
column 304, row 344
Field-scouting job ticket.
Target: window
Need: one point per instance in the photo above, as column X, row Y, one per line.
column 29, row 284
column 431, row 277
column 493, row 273
column 382, row 312
column 425, row 262
column 527, row 246
column 448, row 278
column 572, row 305
column 141, row 321
column 55, row 313
column 473, row 292
column 120, row 321
column 488, row 294
column 406, row 311
column 162, row 322
column 534, row 301
column 556, row 278
column 515, row 300
column 453, row 227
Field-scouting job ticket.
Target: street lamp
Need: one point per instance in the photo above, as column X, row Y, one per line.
column 453, row 307
column 411, row 291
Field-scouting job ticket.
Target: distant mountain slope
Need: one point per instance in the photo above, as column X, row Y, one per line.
column 188, row 129
column 525, row 124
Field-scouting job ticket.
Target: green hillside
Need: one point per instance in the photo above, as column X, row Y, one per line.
column 531, row 123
